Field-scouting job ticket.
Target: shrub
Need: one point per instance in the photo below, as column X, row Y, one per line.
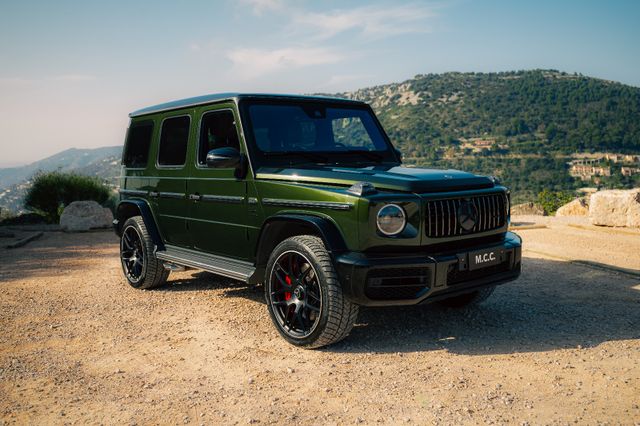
column 24, row 219
column 552, row 201
column 52, row 191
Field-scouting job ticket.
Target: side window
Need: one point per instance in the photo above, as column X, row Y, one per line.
column 350, row 132
column 174, row 136
column 218, row 130
column 136, row 148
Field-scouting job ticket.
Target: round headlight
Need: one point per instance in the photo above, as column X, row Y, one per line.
column 391, row 219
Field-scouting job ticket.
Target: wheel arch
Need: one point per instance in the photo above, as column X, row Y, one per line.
column 280, row 227
column 130, row 208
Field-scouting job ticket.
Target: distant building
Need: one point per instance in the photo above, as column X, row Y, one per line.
column 586, row 169
column 630, row 171
column 623, row 158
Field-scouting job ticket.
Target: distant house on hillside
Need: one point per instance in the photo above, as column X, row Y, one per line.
column 587, row 168
column 630, row 171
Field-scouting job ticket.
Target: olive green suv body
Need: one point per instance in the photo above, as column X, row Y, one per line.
column 307, row 196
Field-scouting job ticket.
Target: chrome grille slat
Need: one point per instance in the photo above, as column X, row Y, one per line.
column 442, row 215
column 448, row 218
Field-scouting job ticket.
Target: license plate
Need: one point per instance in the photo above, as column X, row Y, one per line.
column 483, row 258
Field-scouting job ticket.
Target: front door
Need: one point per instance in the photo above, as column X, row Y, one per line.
column 217, row 219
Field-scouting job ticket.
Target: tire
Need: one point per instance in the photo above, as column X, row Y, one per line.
column 305, row 302
column 139, row 264
column 468, row 299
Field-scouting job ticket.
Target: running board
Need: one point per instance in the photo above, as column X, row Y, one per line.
column 226, row 267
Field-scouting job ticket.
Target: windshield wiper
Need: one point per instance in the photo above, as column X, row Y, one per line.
column 371, row 155
column 312, row 156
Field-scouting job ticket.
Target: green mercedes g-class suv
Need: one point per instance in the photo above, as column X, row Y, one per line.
column 307, row 196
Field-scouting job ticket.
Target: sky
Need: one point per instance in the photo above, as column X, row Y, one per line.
column 71, row 71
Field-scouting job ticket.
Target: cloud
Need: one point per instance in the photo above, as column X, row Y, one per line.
column 255, row 62
column 73, row 77
column 259, row 6
column 370, row 21
column 341, row 79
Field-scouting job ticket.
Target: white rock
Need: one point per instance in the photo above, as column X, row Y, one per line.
column 615, row 208
column 85, row 215
column 577, row 207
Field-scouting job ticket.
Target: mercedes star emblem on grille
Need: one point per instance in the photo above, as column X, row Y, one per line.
column 467, row 215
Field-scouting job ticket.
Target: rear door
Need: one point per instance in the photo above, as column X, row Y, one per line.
column 217, row 219
column 170, row 178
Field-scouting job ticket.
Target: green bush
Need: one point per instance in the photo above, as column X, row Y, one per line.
column 553, row 200
column 52, row 191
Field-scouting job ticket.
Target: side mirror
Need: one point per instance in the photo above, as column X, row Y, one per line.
column 223, row 158
column 398, row 153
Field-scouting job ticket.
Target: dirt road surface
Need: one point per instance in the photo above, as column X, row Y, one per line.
column 78, row 345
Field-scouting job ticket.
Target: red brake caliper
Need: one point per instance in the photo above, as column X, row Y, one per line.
column 287, row 295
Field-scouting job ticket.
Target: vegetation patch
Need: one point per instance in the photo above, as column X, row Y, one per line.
column 52, row 191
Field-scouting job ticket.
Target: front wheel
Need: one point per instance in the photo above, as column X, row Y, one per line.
column 303, row 295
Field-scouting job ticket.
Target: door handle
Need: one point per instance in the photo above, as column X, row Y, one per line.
column 153, row 194
column 195, row 197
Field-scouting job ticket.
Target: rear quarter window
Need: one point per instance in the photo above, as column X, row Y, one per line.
column 136, row 147
column 174, row 138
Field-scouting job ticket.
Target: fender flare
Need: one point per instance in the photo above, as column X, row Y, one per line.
column 134, row 207
column 277, row 226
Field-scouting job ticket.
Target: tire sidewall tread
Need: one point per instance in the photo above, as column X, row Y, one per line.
column 338, row 314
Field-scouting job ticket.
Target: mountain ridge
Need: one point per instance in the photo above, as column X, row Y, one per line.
column 523, row 126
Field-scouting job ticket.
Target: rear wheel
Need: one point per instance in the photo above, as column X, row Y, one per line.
column 468, row 299
column 303, row 295
column 139, row 264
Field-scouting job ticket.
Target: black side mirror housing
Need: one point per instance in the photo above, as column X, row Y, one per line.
column 398, row 153
column 223, row 158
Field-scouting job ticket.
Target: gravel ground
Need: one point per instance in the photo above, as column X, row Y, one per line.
column 78, row 345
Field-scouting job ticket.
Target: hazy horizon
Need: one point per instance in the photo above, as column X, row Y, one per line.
column 72, row 72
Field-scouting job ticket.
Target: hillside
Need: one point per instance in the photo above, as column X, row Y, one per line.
column 532, row 111
column 524, row 126
column 101, row 162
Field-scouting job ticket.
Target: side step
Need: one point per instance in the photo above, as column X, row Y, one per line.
column 226, row 267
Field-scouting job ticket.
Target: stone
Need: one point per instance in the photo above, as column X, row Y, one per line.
column 577, row 207
column 527, row 209
column 84, row 215
column 615, row 207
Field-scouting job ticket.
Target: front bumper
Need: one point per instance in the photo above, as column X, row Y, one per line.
column 390, row 279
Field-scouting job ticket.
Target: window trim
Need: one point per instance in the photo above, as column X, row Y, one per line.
column 197, row 147
column 173, row 166
column 150, row 121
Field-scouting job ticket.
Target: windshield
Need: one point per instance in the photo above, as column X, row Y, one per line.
column 314, row 132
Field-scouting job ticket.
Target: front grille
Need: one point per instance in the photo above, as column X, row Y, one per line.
column 442, row 215
column 397, row 283
column 454, row 276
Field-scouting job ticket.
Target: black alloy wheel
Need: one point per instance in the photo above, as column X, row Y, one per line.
column 296, row 295
column 303, row 294
column 140, row 266
column 132, row 254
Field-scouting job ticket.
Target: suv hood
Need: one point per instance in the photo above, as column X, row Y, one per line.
column 393, row 178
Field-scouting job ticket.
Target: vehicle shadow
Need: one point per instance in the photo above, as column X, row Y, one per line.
column 201, row 281
column 552, row 305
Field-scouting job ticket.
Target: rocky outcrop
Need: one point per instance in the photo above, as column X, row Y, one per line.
column 85, row 215
column 527, row 209
column 577, row 207
column 615, row 208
